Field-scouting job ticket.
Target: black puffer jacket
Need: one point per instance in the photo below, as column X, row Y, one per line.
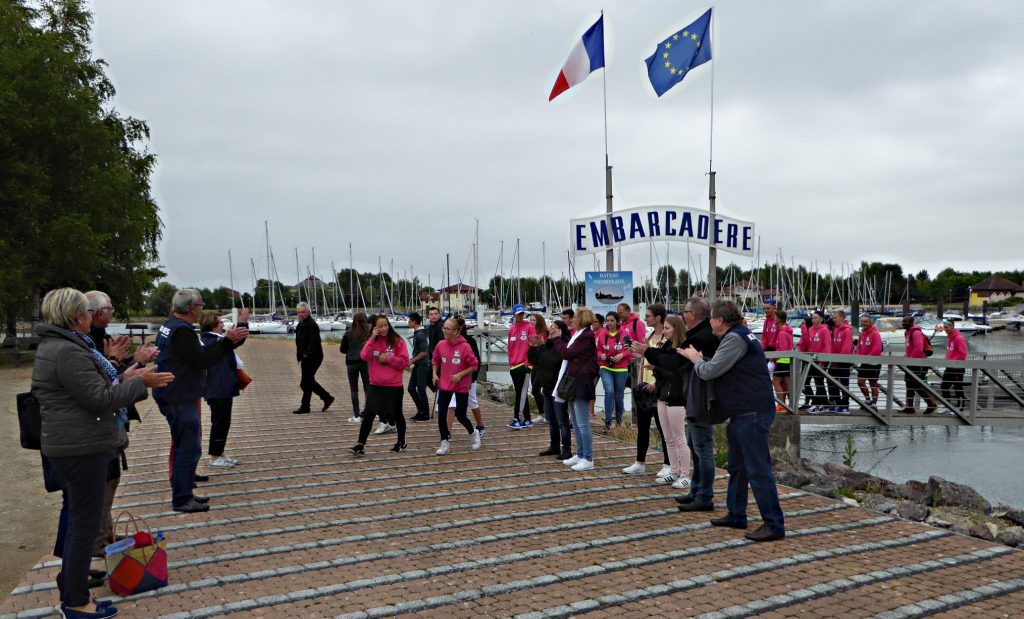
column 77, row 401
column 546, row 362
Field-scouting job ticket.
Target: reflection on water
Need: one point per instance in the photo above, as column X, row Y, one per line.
column 987, row 459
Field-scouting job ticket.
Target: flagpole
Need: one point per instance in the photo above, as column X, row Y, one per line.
column 610, row 254
column 712, row 252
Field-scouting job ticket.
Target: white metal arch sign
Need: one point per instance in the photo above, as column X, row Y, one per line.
column 659, row 223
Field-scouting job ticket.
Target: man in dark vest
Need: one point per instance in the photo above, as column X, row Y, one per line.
column 746, row 398
column 310, row 354
column 181, row 353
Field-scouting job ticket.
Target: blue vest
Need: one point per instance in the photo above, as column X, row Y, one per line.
column 746, row 387
column 222, row 377
column 188, row 382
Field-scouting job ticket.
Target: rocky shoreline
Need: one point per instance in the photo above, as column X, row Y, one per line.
column 937, row 502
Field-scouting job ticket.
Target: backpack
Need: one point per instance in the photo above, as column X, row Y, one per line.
column 926, row 345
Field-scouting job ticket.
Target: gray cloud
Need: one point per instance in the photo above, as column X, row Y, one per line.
column 845, row 130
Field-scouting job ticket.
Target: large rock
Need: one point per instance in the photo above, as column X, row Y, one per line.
column 909, row 510
column 982, row 532
column 1016, row 516
column 839, row 470
column 813, row 467
column 792, row 479
column 866, row 482
column 944, row 492
column 824, row 487
column 1011, row 536
column 916, row 491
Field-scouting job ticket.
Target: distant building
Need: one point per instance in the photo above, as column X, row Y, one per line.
column 994, row 290
column 458, row 297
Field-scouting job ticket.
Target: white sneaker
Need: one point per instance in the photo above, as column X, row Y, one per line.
column 668, row 479
column 443, row 449
column 475, row 437
column 665, row 470
column 230, row 459
column 221, row 463
column 583, row 465
column 683, row 483
column 388, row 429
column 382, row 428
column 573, row 461
column 355, row 419
column 637, row 468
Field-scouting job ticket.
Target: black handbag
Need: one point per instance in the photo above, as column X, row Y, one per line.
column 30, row 421
column 643, row 398
column 566, row 388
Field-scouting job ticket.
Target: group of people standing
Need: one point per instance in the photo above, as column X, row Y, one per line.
column 834, row 335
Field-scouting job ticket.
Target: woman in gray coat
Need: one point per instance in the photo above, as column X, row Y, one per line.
column 79, row 396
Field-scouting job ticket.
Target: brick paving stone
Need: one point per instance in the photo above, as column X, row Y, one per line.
column 327, row 533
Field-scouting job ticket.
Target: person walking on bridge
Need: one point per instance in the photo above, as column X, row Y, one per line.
column 869, row 344
column 918, row 347
column 953, row 378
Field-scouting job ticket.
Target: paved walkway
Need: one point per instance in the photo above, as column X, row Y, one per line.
column 303, row 529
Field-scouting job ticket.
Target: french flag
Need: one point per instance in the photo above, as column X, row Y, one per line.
column 586, row 57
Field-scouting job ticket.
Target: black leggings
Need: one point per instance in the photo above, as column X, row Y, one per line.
column 444, row 398
column 818, row 396
column 220, row 423
column 538, row 397
column 520, row 377
column 953, row 385
column 643, row 432
column 386, row 402
column 355, row 370
column 840, row 371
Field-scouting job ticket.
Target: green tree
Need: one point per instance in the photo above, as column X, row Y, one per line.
column 159, row 302
column 74, row 174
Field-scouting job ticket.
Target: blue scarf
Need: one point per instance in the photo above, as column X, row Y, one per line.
column 108, row 367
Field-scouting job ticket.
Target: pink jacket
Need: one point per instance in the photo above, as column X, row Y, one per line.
column 915, row 338
column 390, row 374
column 784, row 338
column 956, row 345
column 869, row 342
column 804, row 345
column 518, row 344
column 452, row 359
column 635, row 327
column 770, row 334
column 608, row 346
column 842, row 340
column 819, row 340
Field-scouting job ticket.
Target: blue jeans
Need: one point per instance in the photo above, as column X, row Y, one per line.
column 750, row 463
column 614, row 384
column 702, row 447
column 186, row 448
column 580, row 410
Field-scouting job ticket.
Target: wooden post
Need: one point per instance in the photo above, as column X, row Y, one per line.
column 984, row 313
column 939, row 308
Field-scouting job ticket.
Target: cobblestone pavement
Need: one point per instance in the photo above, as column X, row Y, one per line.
column 301, row 528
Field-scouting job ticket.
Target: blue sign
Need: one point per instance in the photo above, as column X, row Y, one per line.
column 606, row 289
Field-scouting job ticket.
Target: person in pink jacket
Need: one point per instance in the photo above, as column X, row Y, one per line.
column 387, row 355
column 869, row 344
column 818, row 341
column 613, row 358
column 916, row 376
column 770, row 330
column 783, row 341
column 453, row 365
column 518, row 347
column 842, row 344
column 953, row 378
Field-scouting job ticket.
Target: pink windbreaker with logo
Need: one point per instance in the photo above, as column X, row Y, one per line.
column 842, row 340
column 869, row 342
column 770, row 334
column 609, row 345
column 518, row 343
column 452, row 358
column 819, row 340
column 635, row 328
column 915, row 338
column 784, row 338
column 956, row 345
column 390, row 374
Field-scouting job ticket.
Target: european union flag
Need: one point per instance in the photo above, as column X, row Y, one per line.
column 678, row 54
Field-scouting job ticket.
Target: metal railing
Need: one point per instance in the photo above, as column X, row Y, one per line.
column 992, row 386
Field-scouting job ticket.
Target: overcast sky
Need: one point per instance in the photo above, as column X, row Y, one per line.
column 845, row 130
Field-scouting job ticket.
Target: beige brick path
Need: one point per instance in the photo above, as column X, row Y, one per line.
column 303, row 529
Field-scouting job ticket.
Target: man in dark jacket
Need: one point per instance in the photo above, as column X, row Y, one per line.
column 116, row 351
column 181, row 354
column 745, row 396
column 699, row 433
column 419, row 367
column 310, row 354
column 435, row 333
